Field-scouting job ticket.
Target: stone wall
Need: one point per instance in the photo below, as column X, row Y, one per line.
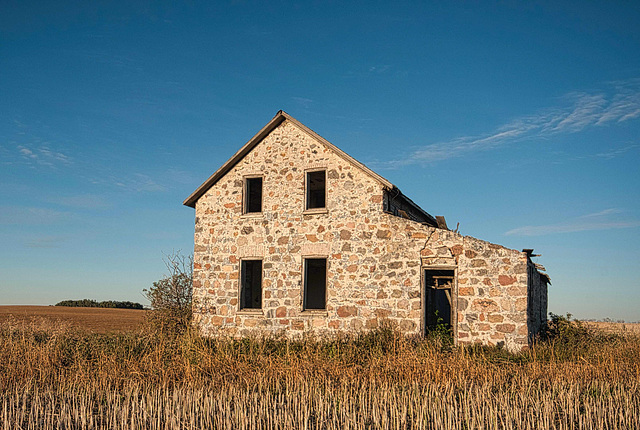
column 375, row 260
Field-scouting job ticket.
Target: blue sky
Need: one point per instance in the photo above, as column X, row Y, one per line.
column 520, row 121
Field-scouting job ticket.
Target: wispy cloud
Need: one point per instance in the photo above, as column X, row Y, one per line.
column 46, row 242
column 4, row 156
column 616, row 152
column 43, row 155
column 610, row 211
column 607, row 154
column 576, row 111
column 180, row 176
column 381, row 68
column 604, row 220
column 27, row 153
column 583, row 110
column 82, row 201
column 13, row 215
column 139, row 182
column 303, row 101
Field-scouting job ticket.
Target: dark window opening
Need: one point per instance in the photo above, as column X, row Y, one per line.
column 251, row 284
column 438, row 300
column 253, row 195
column 315, row 283
column 316, row 190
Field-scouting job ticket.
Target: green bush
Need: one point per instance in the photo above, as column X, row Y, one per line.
column 171, row 296
column 565, row 330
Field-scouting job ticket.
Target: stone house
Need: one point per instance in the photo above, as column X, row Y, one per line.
column 294, row 235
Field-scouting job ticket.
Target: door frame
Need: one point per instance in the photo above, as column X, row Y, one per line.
column 454, row 298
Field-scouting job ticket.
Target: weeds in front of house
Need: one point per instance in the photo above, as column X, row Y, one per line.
column 441, row 334
column 57, row 377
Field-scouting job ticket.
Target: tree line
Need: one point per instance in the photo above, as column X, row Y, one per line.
column 88, row 303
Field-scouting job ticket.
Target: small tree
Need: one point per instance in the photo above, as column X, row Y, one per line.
column 171, row 296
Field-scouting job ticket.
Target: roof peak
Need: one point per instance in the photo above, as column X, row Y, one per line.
column 280, row 117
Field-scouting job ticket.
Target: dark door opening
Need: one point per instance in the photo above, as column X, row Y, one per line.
column 438, row 300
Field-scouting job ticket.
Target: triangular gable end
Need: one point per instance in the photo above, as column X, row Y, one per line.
column 280, row 117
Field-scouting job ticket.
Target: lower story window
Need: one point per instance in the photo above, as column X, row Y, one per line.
column 315, row 283
column 251, row 284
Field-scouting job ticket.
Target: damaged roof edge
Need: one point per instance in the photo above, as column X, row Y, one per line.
column 415, row 206
column 539, row 267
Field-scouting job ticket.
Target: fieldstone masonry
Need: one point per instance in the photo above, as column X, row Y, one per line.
column 375, row 260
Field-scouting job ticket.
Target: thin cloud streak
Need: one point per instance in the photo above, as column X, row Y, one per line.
column 603, row 220
column 303, row 101
column 82, row 201
column 578, row 111
column 542, row 230
column 605, row 212
column 43, row 156
column 46, row 242
column 615, row 152
column 20, row 215
column 139, row 183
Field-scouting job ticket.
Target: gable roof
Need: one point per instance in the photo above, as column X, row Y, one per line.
column 280, row 117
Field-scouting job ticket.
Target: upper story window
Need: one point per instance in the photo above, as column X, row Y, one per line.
column 252, row 195
column 316, row 190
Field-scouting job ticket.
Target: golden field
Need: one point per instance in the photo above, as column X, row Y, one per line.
column 56, row 376
column 101, row 320
column 615, row 327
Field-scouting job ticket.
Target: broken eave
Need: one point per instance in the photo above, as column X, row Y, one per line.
column 398, row 195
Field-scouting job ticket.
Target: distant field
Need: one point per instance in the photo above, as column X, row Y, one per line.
column 101, row 320
column 614, row 327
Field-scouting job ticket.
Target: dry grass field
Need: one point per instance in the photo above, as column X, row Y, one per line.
column 615, row 327
column 56, row 376
column 101, row 320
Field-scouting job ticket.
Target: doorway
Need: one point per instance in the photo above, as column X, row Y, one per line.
column 438, row 304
